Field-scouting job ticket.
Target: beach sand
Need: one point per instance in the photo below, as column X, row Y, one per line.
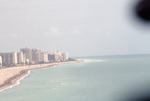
column 11, row 76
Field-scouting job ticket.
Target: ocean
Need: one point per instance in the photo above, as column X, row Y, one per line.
column 107, row 78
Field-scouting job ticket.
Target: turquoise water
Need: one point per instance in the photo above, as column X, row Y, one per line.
column 97, row 79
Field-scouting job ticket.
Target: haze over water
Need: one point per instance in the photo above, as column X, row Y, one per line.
column 97, row 79
column 82, row 28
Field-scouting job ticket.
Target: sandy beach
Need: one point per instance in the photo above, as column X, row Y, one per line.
column 11, row 76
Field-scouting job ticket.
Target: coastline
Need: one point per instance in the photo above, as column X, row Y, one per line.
column 12, row 76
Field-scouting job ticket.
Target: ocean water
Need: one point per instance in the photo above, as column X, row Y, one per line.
column 111, row 78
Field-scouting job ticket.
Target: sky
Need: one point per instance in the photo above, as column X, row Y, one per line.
column 79, row 27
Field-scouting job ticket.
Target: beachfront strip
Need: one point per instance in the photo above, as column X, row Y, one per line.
column 30, row 56
column 11, row 76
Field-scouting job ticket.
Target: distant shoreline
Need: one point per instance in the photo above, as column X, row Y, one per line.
column 12, row 76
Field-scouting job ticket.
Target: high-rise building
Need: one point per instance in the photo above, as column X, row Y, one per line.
column 4, row 59
column 14, row 58
column 57, row 53
column 20, row 58
column 44, row 57
column 65, row 56
column 9, row 59
column 59, row 56
column 37, row 58
column 32, row 55
column 36, row 55
column 0, row 61
column 53, row 57
column 27, row 54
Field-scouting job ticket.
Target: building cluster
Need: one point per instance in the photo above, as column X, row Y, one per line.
column 31, row 56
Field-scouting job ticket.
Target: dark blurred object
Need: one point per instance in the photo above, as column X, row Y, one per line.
column 137, row 94
column 140, row 98
column 143, row 10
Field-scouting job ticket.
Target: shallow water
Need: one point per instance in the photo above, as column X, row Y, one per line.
column 97, row 79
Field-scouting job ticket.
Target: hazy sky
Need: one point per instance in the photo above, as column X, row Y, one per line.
column 80, row 27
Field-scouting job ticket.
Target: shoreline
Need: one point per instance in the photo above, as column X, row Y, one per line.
column 14, row 80
column 12, row 76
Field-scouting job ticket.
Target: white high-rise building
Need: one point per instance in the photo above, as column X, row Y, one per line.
column 20, row 58
column 14, row 58
column 65, row 56
column 44, row 57
column 28, row 54
column 9, row 59
column 0, row 61
column 36, row 55
column 58, row 53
